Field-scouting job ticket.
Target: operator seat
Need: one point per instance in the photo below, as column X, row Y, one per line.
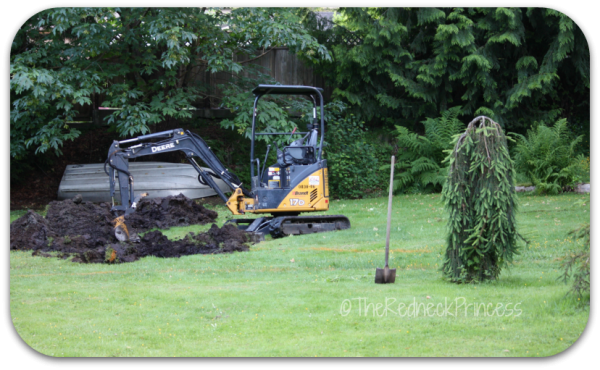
column 301, row 151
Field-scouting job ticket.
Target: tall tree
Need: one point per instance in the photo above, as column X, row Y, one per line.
column 143, row 61
column 516, row 65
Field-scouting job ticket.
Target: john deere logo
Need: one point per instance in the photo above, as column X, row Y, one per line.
column 162, row 147
column 301, row 193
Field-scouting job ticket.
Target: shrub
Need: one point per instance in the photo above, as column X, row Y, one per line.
column 576, row 264
column 420, row 164
column 353, row 160
column 547, row 157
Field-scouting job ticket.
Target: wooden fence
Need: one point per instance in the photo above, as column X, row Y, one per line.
column 279, row 63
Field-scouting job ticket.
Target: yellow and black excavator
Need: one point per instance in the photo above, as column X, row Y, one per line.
column 296, row 183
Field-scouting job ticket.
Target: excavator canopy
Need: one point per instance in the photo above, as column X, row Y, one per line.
column 286, row 90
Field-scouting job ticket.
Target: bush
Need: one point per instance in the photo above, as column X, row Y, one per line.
column 547, row 157
column 354, row 158
column 576, row 264
column 420, row 163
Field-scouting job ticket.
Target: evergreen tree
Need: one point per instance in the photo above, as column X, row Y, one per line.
column 480, row 197
column 402, row 65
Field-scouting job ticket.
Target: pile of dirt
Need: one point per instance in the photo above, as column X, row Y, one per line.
column 30, row 231
column 163, row 213
column 74, row 217
column 83, row 230
column 227, row 239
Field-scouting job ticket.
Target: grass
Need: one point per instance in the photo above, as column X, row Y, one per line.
column 291, row 296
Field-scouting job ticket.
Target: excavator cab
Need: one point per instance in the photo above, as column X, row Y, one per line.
column 304, row 151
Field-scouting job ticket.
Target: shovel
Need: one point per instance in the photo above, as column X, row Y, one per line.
column 387, row 275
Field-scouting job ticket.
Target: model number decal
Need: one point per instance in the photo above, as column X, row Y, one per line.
column 296, row 202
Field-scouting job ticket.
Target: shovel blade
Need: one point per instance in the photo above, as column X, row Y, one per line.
column 379, row 278
column 391, row 278
column 385, row 276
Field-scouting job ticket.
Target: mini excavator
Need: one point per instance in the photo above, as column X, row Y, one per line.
column 297, row 183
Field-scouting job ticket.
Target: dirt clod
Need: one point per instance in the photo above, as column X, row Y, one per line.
column 83, row 230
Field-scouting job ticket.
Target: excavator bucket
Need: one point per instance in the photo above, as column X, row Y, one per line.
column 122, row 233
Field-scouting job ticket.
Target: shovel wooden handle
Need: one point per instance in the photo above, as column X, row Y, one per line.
column 389, row 217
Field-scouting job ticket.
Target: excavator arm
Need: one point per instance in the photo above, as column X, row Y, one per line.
column 187, row 142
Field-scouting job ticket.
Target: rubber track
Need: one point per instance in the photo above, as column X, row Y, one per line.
column 288, row 225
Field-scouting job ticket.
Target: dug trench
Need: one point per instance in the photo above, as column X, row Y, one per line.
column 83, row 231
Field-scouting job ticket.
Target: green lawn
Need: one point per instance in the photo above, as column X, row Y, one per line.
column 300, row 296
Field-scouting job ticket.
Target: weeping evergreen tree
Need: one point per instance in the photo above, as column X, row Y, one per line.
column 480, row 196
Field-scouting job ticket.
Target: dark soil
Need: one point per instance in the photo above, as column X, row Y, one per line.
column 30, row 231
column 83, row 231
column 153, row 243
column 171, row 211
column 72, row 218
column 215, row 200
